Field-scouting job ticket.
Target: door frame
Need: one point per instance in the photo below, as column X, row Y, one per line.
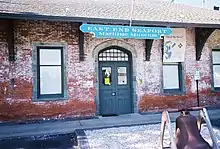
column 116, row 64
column 126, row 47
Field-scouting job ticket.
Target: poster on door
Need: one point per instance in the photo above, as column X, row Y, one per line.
column 175, row 46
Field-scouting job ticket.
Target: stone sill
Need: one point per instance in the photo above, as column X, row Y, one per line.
column 49, row 99
column 174, row 93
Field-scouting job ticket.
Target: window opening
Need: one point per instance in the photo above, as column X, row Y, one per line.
column 113, row 55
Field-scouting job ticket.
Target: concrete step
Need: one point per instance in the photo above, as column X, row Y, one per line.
column 80, row 139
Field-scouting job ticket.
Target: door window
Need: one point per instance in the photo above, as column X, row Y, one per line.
column 122, row 75
column 106, row 75
column 113, row 55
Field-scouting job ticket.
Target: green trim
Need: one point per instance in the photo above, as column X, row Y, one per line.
column 214, row 89
column 217, row 89
column 35, row 67
column 38, row 73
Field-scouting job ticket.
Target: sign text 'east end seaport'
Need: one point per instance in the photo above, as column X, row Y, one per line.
column 111, row 31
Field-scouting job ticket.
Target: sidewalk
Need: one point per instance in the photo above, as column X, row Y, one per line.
column 61, row 127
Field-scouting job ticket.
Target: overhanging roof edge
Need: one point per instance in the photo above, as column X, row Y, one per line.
column 32, row 16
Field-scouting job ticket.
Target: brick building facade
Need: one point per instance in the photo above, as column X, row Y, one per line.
column 18, row 79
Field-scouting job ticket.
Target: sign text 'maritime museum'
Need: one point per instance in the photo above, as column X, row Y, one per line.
column 110, row 31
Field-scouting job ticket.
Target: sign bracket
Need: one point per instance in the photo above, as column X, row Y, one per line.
column 201, row 36
column 148, row 47
column 10, row 41
column 81, row 45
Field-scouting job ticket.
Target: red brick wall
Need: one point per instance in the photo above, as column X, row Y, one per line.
column 157, row 101
column 16, row 104
column 149, row 73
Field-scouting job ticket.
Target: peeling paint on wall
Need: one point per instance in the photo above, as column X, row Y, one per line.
column 81, row 75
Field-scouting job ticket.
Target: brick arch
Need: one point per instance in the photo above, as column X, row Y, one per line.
column 127, row 47
column 212, row 41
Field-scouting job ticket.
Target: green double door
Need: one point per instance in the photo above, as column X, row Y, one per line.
column 114, row 88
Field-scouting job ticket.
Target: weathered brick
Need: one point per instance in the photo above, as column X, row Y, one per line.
column 207, row 96
column 25, row 109
column 17, row 102
column 81, row 75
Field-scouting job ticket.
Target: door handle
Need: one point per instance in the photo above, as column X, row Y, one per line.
column 113, row 94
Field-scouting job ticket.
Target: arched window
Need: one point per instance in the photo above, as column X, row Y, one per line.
column 113, row 55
